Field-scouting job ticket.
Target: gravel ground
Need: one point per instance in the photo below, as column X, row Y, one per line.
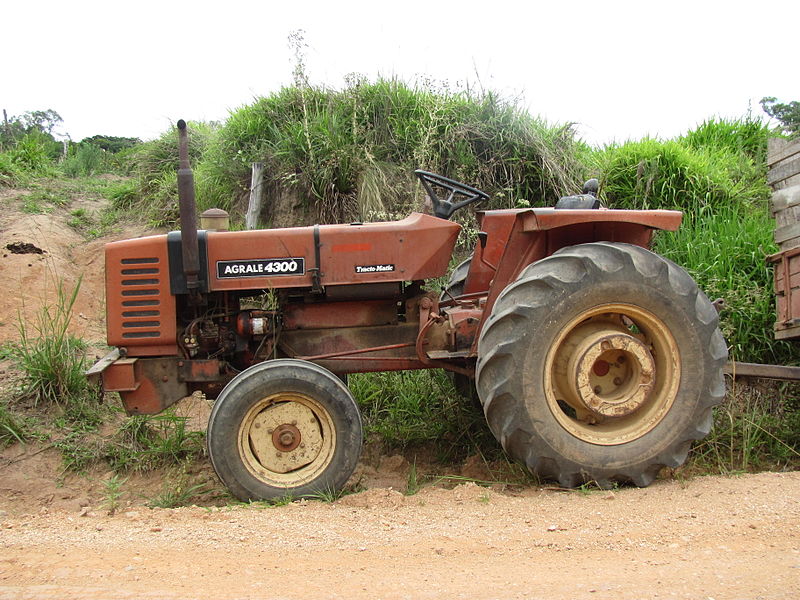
column 709, row 537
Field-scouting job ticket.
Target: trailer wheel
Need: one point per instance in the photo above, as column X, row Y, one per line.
column 284, row 427
column 601, row 363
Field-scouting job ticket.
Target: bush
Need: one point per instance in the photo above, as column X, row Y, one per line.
column 653, row 174
column 84, row 161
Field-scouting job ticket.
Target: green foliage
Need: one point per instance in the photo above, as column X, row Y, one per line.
column 110, row 143
column 12, row 427
column 673, row 174
column 122, row 194
column 52, row 360
column 154, row 165
column 755, row 428
column 725, row 250
column 11, row 173
column 787, row 113
column 85, row 160
column 177, row 493
column 351, row 152
column 33, row 153
column 147, row 442
column 112, row 493
column 79, row 219
column 141, row 443
column 746, row 136
column 31, row 122
column 405, row 408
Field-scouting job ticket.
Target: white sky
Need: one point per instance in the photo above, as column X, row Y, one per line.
column 619, row 69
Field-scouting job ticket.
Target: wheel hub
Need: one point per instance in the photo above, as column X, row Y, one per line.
column 285, row 436
column 611, row 372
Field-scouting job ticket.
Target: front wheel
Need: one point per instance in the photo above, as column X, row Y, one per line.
column 284, row 427
column 601, row 362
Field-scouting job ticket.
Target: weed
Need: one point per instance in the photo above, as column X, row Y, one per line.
column 112, row 493
column 12, row 427
column 177, row 492
column 755, row 427
column 52, row 360
column 79, row 219
column 328, row 494
column 84, row 160
column 146, row 442
column 413, row 484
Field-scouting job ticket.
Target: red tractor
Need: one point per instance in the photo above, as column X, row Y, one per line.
column 594, row 358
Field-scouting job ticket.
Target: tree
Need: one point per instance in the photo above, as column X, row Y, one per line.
column 32, row 121
column 787, row 114
column 111, row 143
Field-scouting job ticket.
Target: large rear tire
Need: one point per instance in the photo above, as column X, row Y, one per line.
column 455, row 284
column 601, row 363
column 284, row 427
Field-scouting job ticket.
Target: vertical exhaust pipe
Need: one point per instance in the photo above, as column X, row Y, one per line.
column 188, row 213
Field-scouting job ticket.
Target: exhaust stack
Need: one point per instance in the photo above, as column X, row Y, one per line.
column 188, row 212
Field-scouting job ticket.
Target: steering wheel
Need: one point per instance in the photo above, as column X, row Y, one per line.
column 445, row 207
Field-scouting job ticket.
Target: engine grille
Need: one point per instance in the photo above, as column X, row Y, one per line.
column 141, row 310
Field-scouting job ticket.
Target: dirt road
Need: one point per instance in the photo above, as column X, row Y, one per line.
column 709, row 537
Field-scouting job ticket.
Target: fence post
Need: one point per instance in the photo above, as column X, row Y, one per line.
column 256, row 195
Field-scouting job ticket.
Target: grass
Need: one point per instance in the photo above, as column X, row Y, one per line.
column 725, row 250
column 408, row 408
column 12, row 427
column 757, row 427
column 112, row 493
column 51, row 359
column 178, row 490
column 346, row 154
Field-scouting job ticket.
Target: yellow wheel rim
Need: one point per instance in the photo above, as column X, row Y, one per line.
column 287, row 439
column 612, row 374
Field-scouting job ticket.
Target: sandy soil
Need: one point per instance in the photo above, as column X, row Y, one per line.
column 708, row 537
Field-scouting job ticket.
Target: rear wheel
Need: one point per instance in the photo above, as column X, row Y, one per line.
column 464, row 385
column 284, row 427
column 455, row 285
column 601, row 362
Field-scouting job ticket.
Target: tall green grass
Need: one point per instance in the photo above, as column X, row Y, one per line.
column 153, row 166
column 51, row 359
column 31, row 156
column 410, row 408
column 350, row 153
column 85, row 160
column 725, row 251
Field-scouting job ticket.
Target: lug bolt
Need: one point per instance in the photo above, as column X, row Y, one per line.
column 270, row 430
column 257, row 425
column 617, row 381
column 598, row 390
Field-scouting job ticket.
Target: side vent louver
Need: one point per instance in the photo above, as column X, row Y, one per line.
column 141, row 295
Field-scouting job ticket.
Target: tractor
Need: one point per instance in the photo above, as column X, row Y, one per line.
column 594, row 359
